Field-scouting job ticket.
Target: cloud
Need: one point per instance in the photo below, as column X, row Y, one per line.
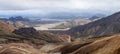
column 58, row 5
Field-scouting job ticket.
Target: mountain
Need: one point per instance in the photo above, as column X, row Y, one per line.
column 102, row 27
column 94, row 18
column 71, row 15
column 97, row 16
column 18, row 18
column 15, row 18
column 17, row 21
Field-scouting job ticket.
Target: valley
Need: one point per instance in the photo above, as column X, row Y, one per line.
column 59, row 27
column 49, row 26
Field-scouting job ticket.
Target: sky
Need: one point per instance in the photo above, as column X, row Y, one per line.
column 48, row 6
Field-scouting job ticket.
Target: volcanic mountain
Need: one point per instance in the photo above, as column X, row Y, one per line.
column 102, row 27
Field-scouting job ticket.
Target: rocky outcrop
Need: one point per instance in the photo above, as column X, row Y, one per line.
column 26, row 32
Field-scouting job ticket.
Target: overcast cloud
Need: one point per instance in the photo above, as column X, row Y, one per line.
column 35, row 6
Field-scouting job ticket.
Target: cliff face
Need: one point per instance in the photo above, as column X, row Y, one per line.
column 105, row 26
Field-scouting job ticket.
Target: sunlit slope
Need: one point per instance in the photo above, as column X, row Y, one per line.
column 109, row 45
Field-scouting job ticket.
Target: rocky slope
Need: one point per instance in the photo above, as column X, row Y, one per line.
column 7, row 36
column 106, row 45
column 18, row 48
column 67, row 48
column 105, row 26
column 6, row 28
column 109, row 45
column 34, row 34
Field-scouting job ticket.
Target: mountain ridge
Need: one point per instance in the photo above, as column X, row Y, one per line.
column 105, row 26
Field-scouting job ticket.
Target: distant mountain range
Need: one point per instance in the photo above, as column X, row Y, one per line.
column 58, row 15
column 69, row 15
column 14, row 19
